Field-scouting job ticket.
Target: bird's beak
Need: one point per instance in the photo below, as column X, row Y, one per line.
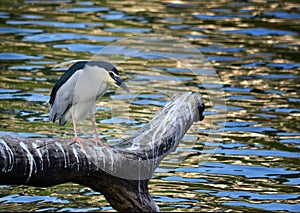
column 120, row 83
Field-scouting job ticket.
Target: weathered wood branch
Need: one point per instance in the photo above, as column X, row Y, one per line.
column 121, row 173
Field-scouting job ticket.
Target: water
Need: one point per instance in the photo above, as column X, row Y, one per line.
column 252, row 46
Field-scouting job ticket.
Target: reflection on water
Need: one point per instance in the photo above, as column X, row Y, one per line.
column 253, row 47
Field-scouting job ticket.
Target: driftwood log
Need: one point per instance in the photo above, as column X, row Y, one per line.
column 121, row 172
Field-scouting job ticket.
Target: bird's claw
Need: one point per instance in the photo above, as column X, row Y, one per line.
column 99, row 142
column 77, row 140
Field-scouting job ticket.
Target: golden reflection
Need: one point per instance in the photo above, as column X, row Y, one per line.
column 252, row 46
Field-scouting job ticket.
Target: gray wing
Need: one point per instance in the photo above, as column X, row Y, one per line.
column 64, row 100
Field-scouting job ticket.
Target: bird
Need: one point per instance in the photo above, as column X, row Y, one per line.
column 76, row 92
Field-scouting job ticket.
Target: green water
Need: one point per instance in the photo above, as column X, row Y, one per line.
column 253, row 50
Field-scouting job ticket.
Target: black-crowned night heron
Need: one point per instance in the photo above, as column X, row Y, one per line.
column 75, row 94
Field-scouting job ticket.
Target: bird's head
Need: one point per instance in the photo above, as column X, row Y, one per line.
column 112, row 74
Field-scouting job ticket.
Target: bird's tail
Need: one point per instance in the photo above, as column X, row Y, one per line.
column 52, row 116
column 62, row 121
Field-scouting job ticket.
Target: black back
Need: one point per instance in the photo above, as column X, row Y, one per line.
column 75, row 67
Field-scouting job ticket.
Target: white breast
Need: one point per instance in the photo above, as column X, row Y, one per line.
column 91, row 84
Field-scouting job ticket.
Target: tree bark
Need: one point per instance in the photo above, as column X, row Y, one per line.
column 121, row 172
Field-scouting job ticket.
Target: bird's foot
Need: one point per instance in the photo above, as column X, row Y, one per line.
column 76, row 139
column 99, row 142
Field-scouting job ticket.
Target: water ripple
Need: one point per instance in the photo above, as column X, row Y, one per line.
column 50, row 37
column 259, row 32
column 55, row 24
column 274, row 206
column 84, row 9
column 19, row 31
column 80, row 47
column 283, row 15
column 17, row 56
column 15, row 198
column 239, row 170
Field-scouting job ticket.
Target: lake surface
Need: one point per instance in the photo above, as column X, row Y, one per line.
column 242, row 56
